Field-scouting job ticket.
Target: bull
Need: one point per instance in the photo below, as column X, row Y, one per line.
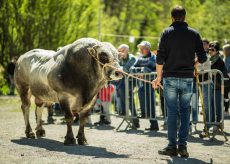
column 71, row 76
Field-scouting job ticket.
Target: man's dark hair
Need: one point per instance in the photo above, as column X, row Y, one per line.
column 178, row 13
column 215, row 44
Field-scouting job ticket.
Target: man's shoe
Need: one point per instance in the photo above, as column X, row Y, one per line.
column 136, row 123
column 51, row 120
column 203, row 134
column 168, row 151
column 182, row 150
column 106, row 122
column 153, row 127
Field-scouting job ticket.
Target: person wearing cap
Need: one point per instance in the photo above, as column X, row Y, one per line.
column 175, row 64
column 127, row 60
column 146, row 63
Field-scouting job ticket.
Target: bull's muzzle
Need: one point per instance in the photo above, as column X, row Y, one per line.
column 116, row 74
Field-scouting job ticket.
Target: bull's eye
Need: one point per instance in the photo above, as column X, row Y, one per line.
column 103, row 57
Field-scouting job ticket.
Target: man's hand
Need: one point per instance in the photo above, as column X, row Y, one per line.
column 156, row 83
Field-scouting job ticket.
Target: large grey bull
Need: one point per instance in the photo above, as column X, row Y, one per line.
column 72, row 76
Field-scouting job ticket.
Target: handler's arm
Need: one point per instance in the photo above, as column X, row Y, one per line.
column 157, row 82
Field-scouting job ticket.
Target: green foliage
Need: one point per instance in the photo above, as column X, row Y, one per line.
column 48, row 24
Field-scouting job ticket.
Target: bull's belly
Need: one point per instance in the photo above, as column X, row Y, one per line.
column 44, row 94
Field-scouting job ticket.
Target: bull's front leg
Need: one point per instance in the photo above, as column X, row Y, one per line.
column 81, row 134
column 69, row 138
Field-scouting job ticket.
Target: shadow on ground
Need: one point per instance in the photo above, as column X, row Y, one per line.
column 180, row 160
column 52, row 145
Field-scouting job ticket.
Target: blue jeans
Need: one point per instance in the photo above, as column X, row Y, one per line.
column 217, row 106
column 178, row 94
column 207, row 92
column 147, row 102
column 194, row 104
column 121, row 92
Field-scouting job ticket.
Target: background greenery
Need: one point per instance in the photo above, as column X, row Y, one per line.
column 48, row 24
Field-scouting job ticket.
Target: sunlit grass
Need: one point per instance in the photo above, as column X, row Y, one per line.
column 13, row 104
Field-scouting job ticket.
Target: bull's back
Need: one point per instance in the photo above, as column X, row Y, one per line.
column 28, row 61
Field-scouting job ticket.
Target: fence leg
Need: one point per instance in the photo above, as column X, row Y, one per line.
column 127, row 120
column 120, row 124
column 222, row 131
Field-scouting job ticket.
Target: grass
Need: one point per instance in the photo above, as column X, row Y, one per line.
column 13, row 104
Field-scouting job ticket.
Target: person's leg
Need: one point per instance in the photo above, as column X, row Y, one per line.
column 218, row 106
column 171, row 102
column 106, row 111
column 226, row 99
column 150, row 96
column 194, row 105
column 208, row 99
column 12, row 86
column 185, row 95
column 131, row 99
column 121, row 92
column 171, row 96
column 142, row 99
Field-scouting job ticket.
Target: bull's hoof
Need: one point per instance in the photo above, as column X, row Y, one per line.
column 40, row 133
column 81, row 140
column 30, row 135
column 69, row 141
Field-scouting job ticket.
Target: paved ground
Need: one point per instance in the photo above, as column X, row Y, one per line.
column 105, row 145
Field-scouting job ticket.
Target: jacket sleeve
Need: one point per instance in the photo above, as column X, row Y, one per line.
column 161, row 52
column 201, row 54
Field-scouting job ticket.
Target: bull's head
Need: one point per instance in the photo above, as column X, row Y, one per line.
column 107, row 56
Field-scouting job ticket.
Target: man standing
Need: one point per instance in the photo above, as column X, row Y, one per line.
column 146, row 63
column 175, row 60
column 126, row 62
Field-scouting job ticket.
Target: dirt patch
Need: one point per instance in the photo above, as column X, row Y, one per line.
column 105, row 144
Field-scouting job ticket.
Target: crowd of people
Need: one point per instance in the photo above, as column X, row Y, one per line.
column 146, row 63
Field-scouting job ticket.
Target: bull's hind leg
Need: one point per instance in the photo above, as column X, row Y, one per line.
column 25, row 98
column 40, row 132
column 81, row 134
column 69, row 138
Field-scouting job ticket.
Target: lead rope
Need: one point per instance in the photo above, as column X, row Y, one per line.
column 127, row 74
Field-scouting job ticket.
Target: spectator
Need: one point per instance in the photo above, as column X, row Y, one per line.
column 126, row 62
column 175, row 60
column 217, row 63
column 10, row 72
column 105, row 98
column 206, row 85
column 206, row 45
column 226, row 51
column 146, row 63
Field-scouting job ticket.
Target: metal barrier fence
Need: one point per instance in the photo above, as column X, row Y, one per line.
column 133, row 99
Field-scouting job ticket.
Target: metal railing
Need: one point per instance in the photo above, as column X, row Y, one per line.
column 140, row 101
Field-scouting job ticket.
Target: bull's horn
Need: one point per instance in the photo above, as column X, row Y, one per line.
column 91, row 51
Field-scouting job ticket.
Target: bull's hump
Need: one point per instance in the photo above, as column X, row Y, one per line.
column 85, row 42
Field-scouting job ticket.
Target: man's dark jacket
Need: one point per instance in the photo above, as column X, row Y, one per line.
column 178, row 46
